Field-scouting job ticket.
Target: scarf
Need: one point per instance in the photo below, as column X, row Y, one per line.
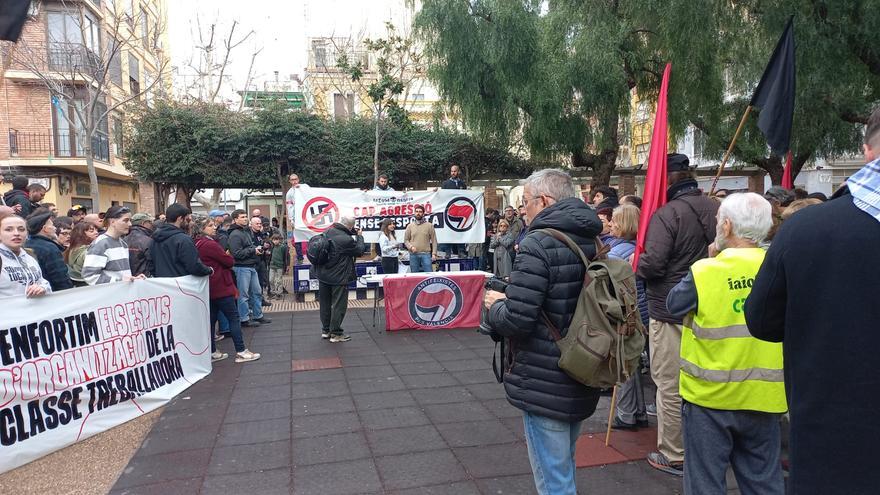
column 864, row 186
column 680, row 188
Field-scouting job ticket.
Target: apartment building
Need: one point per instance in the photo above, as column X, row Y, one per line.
column 73, row 55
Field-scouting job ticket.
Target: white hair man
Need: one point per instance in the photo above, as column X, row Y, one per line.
column 544, row 286
column 335, row 275
column 731, row 383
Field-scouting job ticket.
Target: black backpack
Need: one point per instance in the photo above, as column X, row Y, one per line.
column 318, row 251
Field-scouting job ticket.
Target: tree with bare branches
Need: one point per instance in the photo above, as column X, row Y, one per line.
column 80, row 64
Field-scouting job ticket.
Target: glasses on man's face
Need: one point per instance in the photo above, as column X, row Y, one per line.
column 64, row 232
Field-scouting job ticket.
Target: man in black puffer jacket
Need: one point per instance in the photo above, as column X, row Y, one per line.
column 678, row 235
column 547, row 278
column 47, row 251
column 346, row 244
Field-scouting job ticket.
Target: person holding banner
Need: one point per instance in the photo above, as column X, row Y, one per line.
column 421, row 240
column 107, row 258
column 20, row 274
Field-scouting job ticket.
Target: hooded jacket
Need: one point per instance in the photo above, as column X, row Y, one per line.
column 212, row 254
column 49, row 256
column 18, row 271
column 19, row 197
column 679, row 234
column 174, row 254
column 139, row 243
column 547, row 277
column 345, row 246
column 241, row 246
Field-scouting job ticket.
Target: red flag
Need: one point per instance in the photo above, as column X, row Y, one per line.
column 787, row 183
column 655, row 180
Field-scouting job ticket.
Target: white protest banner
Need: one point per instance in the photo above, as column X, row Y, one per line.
column 457, row 214
column 81, row 361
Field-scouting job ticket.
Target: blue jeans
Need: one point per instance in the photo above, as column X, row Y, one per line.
column 551, row 452
column 250, row 295
column 223, row 321
column 420, row 262
column 748, row 441
column 227, row 308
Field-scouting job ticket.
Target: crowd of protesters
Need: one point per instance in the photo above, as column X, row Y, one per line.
column 747, row 320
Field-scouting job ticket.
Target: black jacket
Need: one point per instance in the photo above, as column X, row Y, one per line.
column 817, row 294
column 344, row 248
column 139, row 243
column 679, row 234
column 547, row 276
column 223, row 238
column 174, row 254
column 49, row 255
column 450, row 183
column 19, row 197
column 241, row 246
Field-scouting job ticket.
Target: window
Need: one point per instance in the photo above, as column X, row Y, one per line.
column 343, row 106
column 84, row 202
column 118, row 148
column 319, row 51
column 418, row 97
column 68, row 134
column 134, row 74
column 74, row 41
column 114, row 67
column 145, row 29
column 131, row 206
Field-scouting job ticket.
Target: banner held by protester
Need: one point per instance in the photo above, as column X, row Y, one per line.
column 457, row 214
column 81, row 361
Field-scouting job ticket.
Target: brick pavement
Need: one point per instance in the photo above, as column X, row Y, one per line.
column 406, row 413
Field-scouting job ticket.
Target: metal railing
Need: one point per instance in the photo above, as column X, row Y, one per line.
column 58, row 144
column 73, row 57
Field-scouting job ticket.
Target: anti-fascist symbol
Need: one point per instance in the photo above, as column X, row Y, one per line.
column 319, row 214
column 435, row 302
column 461, row 214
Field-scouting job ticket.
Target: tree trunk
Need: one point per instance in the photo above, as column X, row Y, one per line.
column 602, row 165
column 376, row 148
column 93, row 177
column 797, row 163
column 774, row 167
column 183, row 195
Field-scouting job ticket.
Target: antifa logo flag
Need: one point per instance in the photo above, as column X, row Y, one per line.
column 775, row 94
column 13, row 15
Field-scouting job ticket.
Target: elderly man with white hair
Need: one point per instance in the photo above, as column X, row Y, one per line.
column 731, row 383
column 346, row 244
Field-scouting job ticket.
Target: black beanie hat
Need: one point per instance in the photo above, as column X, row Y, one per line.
column 175, row 211
column 36, row 221
column 676, row 162
column 19, row 182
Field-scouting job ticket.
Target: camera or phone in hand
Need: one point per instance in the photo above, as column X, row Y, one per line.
column 499, row 285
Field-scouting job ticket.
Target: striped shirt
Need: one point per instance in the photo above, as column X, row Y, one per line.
column 106, row 261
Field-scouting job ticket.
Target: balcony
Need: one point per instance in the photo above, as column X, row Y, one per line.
column 72, row 57
column 57, row 144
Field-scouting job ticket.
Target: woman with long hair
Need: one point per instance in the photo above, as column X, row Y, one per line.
column 28, row 278
column 624, row 227
column 81, row 237
column 389, row 247
column 222, row 291
column 502, row 244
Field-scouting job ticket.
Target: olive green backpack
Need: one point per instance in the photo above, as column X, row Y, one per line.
column 605, row 338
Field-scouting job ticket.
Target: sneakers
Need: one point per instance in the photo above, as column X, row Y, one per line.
column 266, row 303
column 218, row 337
column 340, row 338
column 218, row 356
column 619, row 424
column 250, row 323
column 263, row 320
column 325, row 334
column 660, row 462
column 245, row 356
column 651, row 410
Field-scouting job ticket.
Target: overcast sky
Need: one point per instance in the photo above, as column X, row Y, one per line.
column 281, row 28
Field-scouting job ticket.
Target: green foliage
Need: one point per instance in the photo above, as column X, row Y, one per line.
column 200, row 146
column 559, row 74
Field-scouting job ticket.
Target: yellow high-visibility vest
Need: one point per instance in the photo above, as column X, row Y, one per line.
column 722, row 365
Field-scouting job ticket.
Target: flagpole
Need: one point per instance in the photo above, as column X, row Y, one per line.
column 739, row 129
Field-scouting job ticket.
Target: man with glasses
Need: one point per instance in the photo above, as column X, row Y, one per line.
column 290, row 203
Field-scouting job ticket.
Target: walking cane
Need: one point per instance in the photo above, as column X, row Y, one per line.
column 611, row 414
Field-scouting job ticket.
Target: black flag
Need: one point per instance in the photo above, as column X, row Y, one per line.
column 13, row 14
column 775, row 94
